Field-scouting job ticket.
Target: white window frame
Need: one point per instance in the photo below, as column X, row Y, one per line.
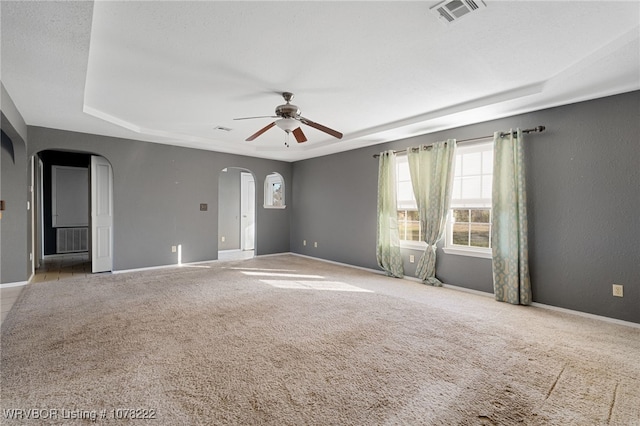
column 272, row 179
column 470, row 203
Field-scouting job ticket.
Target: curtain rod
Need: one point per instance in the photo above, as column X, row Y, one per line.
column 532, row 130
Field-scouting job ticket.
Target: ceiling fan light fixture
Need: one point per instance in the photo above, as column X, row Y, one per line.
column 287, row 124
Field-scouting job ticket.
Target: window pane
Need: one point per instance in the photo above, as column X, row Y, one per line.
column 409, row 225
column 486, row 186
column 487, row 162
column 405, row 192
column 472, row 163
column 403, row 169
column 413, row 231
column 402, row 230
column 471, row 197
column 480, row 235
column 457, row 189
column 461, row 234
column 461, row 215
column 481, row 216
column 471, row 187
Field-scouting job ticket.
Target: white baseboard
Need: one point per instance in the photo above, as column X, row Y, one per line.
column 199, row 262
column 454, row 287
column 362, row 268
column 175, row 265
column 149, row 268
column 152, row 268
column 585, row 314
column 14, row 284
column 276, row 254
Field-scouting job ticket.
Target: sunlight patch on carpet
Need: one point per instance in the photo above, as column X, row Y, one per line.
column 315, row 285
column 262, row 269
column 274, row 274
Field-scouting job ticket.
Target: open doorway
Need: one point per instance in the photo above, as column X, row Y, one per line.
column 74, row 217
column 236, row 214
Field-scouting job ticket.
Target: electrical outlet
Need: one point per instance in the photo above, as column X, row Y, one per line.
column 315, row 244
column 618, row 290
column 304, row 242
column 173, row 249
column 223, row 239
column 412, row 258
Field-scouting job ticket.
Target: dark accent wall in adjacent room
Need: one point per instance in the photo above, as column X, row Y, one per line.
column 49, row 159
column 583, row 185
column 157, row 192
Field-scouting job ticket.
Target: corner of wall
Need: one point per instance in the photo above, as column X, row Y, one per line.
column 12, row 121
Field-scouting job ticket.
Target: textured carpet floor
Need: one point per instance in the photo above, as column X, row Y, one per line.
column 286, row 340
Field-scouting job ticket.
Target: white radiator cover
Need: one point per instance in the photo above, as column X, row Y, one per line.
column 70, row 240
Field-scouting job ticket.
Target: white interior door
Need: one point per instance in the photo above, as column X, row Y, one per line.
column 101, row 215
column 248, row 211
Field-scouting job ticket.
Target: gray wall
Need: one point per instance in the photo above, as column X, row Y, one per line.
column 15, row 242
column 14, row 248
column 583, row 201
column 12, row 122
column 157, row 194
column 229, row 209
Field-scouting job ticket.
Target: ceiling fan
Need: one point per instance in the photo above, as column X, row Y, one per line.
column 289, row 120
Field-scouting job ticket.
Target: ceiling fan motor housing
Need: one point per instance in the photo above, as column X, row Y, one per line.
column 287, row 111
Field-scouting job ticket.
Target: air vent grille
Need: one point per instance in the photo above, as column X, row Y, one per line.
column 70, row 240
column 451, row 10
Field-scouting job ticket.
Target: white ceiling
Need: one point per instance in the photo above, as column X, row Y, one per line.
column 170, row 72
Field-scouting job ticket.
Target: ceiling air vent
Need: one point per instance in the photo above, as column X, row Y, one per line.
column 452, row 10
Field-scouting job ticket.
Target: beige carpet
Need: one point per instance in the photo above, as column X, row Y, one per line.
column 286, row 340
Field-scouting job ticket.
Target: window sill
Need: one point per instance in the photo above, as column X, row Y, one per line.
column 273, row 207
column 468, row 251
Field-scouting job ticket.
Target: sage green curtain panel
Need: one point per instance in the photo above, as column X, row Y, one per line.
column 431, row 169
column 388, row 237
column 511, row 281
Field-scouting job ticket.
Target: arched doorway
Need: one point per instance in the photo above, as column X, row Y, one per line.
column 74, row 214
column 236, row 214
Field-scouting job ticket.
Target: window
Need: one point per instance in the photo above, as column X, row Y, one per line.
column 469, row 219
column 274, row 191
column 408, row 220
